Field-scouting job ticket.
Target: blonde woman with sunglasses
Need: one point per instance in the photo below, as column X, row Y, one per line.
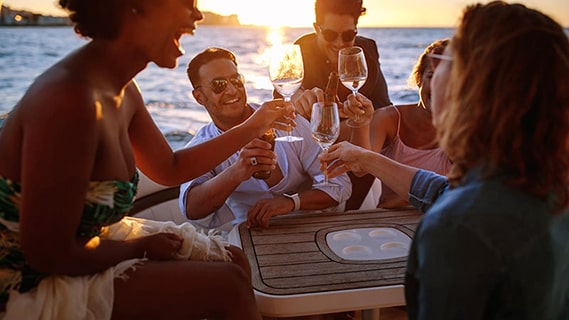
column 404, row 133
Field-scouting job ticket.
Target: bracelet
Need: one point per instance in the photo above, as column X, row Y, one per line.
column 295, row 198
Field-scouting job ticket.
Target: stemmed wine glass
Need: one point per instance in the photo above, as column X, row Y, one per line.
column 286, row 72
column 325, row 128
column 352, row 70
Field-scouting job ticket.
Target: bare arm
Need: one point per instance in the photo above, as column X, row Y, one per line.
column 363, row 107
column 361, row 161
column 263, row 210
column 205, row 198
column 304, row 101
column 315, row 199
column 58, row 159
column 394, row 174
column 156, row 159
column 209, row 196
column 360, row 104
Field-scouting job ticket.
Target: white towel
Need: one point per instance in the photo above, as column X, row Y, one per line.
column 91, row 297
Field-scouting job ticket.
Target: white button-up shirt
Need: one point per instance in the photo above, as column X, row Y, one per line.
column 298, row 162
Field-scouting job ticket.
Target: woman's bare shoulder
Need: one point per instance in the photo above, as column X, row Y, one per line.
column 386, row 115
column 406, row 107
column 383, row 127
column 59, row 97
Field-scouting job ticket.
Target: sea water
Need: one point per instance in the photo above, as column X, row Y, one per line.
column 25, row 52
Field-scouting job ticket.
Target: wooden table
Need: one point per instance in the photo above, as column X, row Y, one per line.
column 296, row 273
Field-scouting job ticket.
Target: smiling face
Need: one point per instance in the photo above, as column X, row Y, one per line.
column 423, row 72
column 227, row 108
column 160, row 25
column 337, row 23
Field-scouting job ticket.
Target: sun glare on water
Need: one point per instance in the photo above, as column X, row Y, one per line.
column 275, row 36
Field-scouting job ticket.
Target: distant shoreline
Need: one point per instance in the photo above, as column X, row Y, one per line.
column 21, row 18
column 34, row 25
column 221, row 25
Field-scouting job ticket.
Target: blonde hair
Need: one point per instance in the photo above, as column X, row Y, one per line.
column 416, row 77
column 508, row 100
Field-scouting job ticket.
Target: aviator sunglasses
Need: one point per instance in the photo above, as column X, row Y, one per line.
column 330, row 35
column 218, row 85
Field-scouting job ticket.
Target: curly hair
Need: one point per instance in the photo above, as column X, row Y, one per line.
column 508, row 100
column 352, row 7
column 204, row 57
column 96, row 18
column 416, row 77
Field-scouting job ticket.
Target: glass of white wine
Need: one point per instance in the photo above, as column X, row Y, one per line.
column 325, row 128
column 286, row 72
column 352, row 70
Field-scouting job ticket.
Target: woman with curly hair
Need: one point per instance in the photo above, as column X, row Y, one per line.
column 494, row 241
column 66, row 184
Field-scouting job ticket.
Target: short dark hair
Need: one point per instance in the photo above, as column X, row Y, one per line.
column 96, row 18
column 350, row 7
column 204, row 57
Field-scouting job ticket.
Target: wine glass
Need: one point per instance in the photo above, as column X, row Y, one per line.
column 325, row 128
column 352, row 70
column 286, row 72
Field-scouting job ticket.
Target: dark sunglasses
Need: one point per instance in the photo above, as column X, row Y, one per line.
column 330, row 35
column 218, row 85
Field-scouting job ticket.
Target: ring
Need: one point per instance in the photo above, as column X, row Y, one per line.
column 253, row 161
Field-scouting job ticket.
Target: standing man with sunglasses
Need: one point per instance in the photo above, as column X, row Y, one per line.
column 336, row 27
column 229, row 194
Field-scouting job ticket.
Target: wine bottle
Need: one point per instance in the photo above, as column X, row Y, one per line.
column 331, row 96
column 331, row 92
column 268, row 136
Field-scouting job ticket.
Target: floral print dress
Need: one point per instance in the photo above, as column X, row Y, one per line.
column 106, row 203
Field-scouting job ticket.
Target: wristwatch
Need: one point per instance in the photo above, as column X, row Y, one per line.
column 295, row 198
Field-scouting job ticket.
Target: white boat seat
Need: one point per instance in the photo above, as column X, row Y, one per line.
column 157, row 202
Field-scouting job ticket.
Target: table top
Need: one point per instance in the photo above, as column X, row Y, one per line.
column 291, row 257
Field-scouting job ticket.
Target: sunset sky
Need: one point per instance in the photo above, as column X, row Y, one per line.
column 300, row 13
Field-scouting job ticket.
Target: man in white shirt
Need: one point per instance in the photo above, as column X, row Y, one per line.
column 228, row 194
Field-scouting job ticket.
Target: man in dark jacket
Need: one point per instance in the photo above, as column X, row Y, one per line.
column 336, row 28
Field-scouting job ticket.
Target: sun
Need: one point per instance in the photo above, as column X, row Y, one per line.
column 291, row 13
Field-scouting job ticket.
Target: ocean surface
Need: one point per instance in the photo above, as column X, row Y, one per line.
column 27, row 52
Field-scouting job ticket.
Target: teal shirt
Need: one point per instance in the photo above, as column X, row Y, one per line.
column 486, row 251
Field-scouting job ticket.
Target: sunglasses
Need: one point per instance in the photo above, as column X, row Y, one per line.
column 437, row 58
column 440, row 56
column 218, row 85
column 329, row 35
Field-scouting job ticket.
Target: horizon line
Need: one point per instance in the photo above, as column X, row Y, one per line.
column 268, row 26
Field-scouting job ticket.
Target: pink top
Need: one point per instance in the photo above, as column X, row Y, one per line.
column 429, row 159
